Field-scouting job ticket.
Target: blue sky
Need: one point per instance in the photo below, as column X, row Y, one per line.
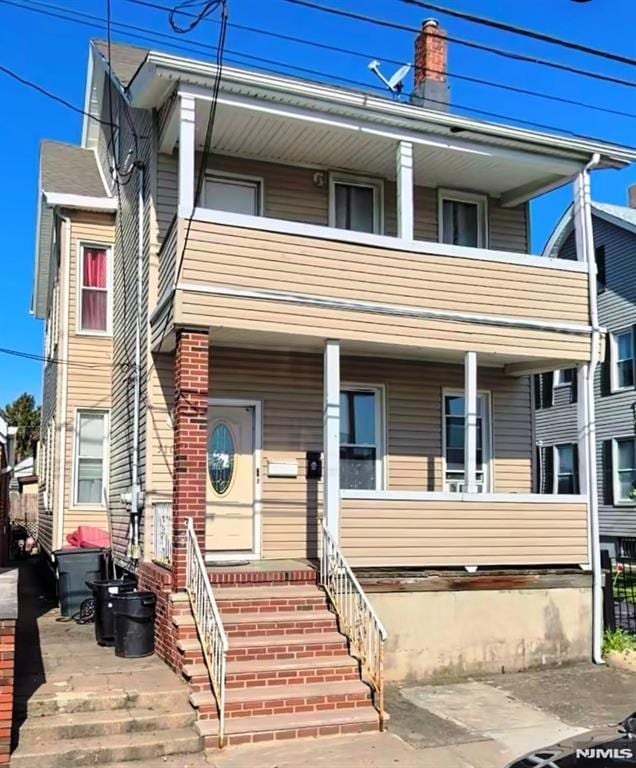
column 53, row 52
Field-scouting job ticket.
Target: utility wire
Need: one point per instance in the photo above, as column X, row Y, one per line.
column 524, row 31
column 369, row 56
column 44, row 359
column 50, row 94
column 250, row 58
column 461, row 41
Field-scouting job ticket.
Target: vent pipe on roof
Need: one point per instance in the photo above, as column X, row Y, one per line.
column 631, row 196
column 431, row 57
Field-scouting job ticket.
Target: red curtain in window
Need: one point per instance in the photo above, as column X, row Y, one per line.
column 94, row 293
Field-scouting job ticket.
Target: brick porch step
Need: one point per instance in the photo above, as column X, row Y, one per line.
column 268, row 599
column 288, row 646
column 311, row 669
column 293, row 622
column 241, row 730
column 226, row 577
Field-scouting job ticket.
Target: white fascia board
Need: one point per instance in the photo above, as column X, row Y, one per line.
column 374, row 107
column 510, row 498
column 86, row 202
column 617, row 221
column 88, row 90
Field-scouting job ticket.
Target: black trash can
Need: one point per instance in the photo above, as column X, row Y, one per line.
column 76, row 567
column 134, row 614
column 105, row 592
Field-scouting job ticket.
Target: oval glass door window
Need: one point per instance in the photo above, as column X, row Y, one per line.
column 221, row 457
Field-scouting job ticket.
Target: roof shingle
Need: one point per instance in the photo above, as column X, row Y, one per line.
column 125, row 60
column 68, row 169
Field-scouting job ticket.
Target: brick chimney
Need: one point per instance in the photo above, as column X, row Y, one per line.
column 431, row 82
column 631, row 196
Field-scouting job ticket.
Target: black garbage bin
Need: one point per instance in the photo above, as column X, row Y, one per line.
column 105, row 592
column 134, row 614
column 76, row 567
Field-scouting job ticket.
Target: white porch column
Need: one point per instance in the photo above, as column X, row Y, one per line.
column 331, row 437
column 470, row 422
column 405, row 189
column 186, row 153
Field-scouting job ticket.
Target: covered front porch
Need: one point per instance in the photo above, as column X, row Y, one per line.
column 424, row 460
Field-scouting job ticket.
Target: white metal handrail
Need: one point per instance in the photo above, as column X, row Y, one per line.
column 208, row 621
column 162, row 532
column 358, row 620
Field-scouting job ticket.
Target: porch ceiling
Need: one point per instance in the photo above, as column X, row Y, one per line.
column 449, row 160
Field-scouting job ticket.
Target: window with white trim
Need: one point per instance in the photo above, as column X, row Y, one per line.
column 566, row 474
column 563, row 377
column 454, row 442
column 355, row 204
column 91, row 434
column 623, row 374
column 463, row 219
column 361, row 445
column 234, row 194
column 49, row 465
column 94, row 293
column 624, row 470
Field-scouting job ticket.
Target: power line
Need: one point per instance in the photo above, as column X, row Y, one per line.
column 468, row 43
column 44, row 359
column 369, row 56
column 49, row 94
column 98, row 22
column 531, row 33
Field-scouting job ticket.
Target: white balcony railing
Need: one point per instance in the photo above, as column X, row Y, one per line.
column 208, row 622
column 162, row 532
column 356, row 615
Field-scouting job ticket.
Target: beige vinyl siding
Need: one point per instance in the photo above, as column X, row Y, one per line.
column 290, row 387
column 91, row 358
column 437, row 533
column 294, row 194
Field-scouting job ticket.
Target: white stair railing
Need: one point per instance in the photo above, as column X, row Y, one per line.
column 162, row 532
column 358, row 620
column 208, row 621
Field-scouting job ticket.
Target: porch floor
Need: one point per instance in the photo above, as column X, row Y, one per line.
column 260, row 566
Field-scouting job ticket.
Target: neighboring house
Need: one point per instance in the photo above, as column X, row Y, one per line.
column 23, row 495
column 73, row 293
column 341, row 328
column 7, row 460
column 614, row 229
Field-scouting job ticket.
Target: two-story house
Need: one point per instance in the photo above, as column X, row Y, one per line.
column 324, row 318
column 614, row 391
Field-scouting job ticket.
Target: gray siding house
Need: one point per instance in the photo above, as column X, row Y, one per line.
column 555, row 395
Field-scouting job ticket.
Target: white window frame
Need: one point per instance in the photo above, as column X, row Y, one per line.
column 556, row 464
column 614, row 386
column 375, row 183
column 81, row 246
column 380, row 428
column 259, row 181
column 558, row 380
column 105, row 413
column 481, row 201
column 487, row 433
column 618, row 502
column 49, row 467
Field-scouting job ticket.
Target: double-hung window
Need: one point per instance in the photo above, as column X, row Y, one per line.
column 454, row 442
column 563, row 377
column 94, row 299
column 624, row 470
column 356, row 204
column 566, row 475
column 361, row 444
column 463, row 219
column 234, row 194
column 91, row 435
column 623, row 375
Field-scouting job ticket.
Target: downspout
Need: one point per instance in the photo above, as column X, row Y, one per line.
column 597, row 573
column 136, row 498
column 64, row 329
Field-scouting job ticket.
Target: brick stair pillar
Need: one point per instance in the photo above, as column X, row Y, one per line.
column 190, row 443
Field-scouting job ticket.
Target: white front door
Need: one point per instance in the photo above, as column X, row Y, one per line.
column 231, row 480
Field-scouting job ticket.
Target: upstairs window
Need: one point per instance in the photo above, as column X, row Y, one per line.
column 361, row 439
column 454, row 442
column 94, row 289
column 463, row 219
column 564, row 377
column 624, row 475
column 566, row 475
column 356, row 204
column 233, row 194
column 623, row 375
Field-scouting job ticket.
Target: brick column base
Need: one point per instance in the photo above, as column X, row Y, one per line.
column 7, row 664
column 153, row 578
column 190, row 444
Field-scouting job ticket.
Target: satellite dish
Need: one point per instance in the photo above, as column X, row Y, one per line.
column 395, row 83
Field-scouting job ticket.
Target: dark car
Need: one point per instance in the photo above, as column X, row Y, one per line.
column 603, row 748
